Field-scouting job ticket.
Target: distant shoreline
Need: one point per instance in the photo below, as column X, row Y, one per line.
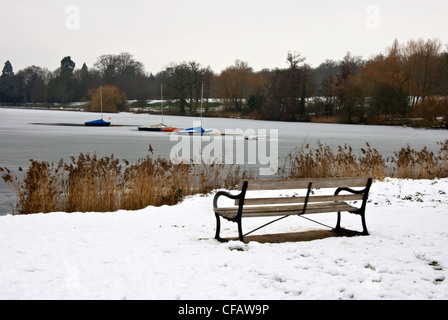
column 77, row 107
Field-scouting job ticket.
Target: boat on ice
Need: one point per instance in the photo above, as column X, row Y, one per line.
column 170, row 129
column 199, row 130
column 99, row 122
column 154, row 127
column 256, row 137
column 191, row 131
column 160, row 127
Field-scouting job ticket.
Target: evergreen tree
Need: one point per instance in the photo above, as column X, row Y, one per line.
column 85, row 80
column 67, row 68
column 62, row 88
column 7, row 70
column 9, row 86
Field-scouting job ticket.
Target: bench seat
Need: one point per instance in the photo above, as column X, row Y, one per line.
column 266, row 211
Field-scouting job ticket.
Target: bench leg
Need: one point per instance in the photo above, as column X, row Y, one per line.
column 338, row 224
column 364, row 225
column 218, row 229
column 240, row 230
column 364, row 232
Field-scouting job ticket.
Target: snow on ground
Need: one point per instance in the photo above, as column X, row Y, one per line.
column 170, row 253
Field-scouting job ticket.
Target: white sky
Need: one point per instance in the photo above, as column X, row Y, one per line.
column 212, row 32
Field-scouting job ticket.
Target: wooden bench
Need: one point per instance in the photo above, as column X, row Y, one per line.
column 344, row 198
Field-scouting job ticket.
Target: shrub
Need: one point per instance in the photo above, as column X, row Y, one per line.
column 114, row 100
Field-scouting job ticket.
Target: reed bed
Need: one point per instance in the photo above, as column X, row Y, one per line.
column 407, row 163
column 91, row 184
column 424, row 164
column 323, row 162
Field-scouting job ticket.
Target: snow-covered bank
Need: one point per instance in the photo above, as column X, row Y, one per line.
column 170, row 253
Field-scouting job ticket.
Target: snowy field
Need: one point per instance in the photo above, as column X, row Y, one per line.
column 170, row 253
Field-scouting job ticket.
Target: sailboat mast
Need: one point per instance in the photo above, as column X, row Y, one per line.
column 161, row 99
column 202, row 100
column 101, row 98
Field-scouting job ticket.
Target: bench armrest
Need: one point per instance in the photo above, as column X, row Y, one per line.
column 364, row 191
column 225, row 194
column 240, row 196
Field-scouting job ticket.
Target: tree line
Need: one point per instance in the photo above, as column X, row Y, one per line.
column 68, row 84
column 406, row 81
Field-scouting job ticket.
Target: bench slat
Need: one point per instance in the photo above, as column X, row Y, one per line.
column 286, row 200
column 253, row 212
column 303, row 183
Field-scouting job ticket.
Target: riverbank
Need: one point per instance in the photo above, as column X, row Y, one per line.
column 169, row 253
column 217, row 110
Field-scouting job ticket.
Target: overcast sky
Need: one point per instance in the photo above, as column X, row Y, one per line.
column 212, row 32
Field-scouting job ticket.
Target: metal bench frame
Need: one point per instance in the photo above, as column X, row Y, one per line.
column 241, row 198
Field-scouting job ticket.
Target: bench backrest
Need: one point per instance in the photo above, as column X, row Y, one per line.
column 297, row 184
column 286, row 184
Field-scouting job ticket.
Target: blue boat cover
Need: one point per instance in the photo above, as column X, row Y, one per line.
column 99, row 122
column 195, row 130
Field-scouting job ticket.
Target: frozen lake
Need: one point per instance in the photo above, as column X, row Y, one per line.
column 52, row 135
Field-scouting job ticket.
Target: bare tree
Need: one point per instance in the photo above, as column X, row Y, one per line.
column 421, row 63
